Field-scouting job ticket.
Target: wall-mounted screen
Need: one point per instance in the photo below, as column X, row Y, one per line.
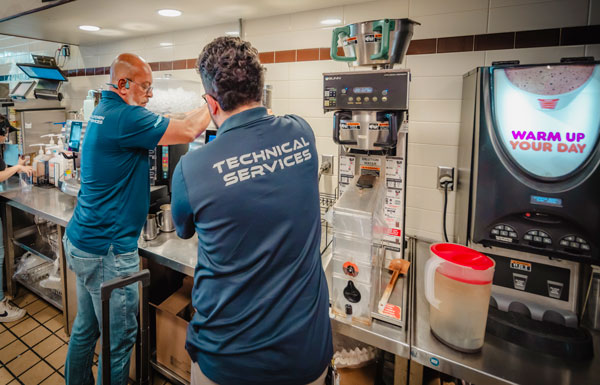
column 42, row 72
column 547, row 117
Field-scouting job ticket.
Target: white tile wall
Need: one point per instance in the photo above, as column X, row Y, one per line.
column 435, row 95
column 450, row 64
column 436, row 7
column 593, row 50
column 451, row 24
column 392, row 9
column 535, row 55
column 435, row 110
column 436, row 87
column 549, row 14
column 594, row 18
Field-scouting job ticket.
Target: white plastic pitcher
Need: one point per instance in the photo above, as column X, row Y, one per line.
column 458, row 284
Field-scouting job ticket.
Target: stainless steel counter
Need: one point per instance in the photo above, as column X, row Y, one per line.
column 499, row 362
column 57, row 207
column 48, row 203
column 173, row 252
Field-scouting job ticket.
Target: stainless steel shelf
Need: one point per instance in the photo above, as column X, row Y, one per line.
column 32, row 250
column 42, row 292
column 173, row 377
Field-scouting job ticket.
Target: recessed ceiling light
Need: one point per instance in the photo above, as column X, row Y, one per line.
column 166, row 44
column 169, row 12
column 330, row 21
column 92, row 28
column 232, row 33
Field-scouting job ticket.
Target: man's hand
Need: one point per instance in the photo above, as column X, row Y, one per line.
column 198, row 118
column 187, row 129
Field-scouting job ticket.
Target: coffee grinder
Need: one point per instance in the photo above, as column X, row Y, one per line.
column 370, row 125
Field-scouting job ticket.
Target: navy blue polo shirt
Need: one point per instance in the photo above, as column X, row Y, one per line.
column 115, row 189
column 260, row 294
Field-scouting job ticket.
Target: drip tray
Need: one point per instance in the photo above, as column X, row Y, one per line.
column 544, row 337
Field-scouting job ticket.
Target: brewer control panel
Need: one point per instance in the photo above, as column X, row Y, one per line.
column 366, row 90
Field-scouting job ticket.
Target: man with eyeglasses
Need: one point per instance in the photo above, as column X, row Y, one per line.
column 101, row 238
column 260, row 294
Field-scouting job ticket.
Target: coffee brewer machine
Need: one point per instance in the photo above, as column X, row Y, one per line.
column 527, row 194
column 370, row 125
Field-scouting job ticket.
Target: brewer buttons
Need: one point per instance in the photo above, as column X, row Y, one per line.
column 574, row 242
column 384, row 99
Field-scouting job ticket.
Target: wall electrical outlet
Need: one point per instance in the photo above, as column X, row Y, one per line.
column 324, row 159
column 445, row 174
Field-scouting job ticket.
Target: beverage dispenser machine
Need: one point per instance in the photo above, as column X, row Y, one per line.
column 370, row 125
column 527, row 194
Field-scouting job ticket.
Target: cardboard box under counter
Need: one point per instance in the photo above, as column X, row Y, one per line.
column 172, row 318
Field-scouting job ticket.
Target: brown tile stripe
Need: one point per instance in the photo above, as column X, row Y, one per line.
column 455, row 44
column 486, row 42
column 307, row 54
column 285, row 56
column 492, row 41
column 538, row 38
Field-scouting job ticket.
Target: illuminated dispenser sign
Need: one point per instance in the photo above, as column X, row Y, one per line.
column 547, row 117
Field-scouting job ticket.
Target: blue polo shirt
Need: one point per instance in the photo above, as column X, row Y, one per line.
column 260, row 294
column 115, row 189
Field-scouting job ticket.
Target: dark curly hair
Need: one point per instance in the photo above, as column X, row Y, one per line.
column 231, row 72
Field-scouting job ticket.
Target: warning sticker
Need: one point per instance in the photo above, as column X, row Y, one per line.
column 520, row 265
column 370, row 163
column 350, row 125
column 350, row 40
column 372, row 37
column 391, row 311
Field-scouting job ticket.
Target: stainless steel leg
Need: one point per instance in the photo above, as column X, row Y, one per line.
column 69, row 286
column 9, row 248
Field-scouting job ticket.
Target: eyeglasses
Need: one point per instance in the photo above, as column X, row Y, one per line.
column 147, row 89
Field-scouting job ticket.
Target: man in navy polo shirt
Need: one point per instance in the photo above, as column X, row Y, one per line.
column 251, row 195
column 101, row 238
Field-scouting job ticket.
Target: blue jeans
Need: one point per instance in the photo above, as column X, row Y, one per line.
column 1, row 263
column 91, row 271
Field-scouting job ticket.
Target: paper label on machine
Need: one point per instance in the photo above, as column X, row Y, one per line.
column 393, row 168
column 370, row 165
column 347, row 164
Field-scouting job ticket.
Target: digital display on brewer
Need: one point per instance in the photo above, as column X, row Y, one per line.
column 362, row 90
column 546, row 201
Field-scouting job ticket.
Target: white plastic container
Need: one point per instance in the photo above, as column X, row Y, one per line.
column 88, row 105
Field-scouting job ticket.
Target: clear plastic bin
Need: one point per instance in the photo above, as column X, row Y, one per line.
column 360, row 249
column 352, row 299
column 352, row 268
column 359, row 212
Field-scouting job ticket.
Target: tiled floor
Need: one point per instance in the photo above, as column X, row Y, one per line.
column 33, row 349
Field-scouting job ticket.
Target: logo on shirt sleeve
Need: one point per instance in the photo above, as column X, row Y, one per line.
column 158, row 120
column 266, row 161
